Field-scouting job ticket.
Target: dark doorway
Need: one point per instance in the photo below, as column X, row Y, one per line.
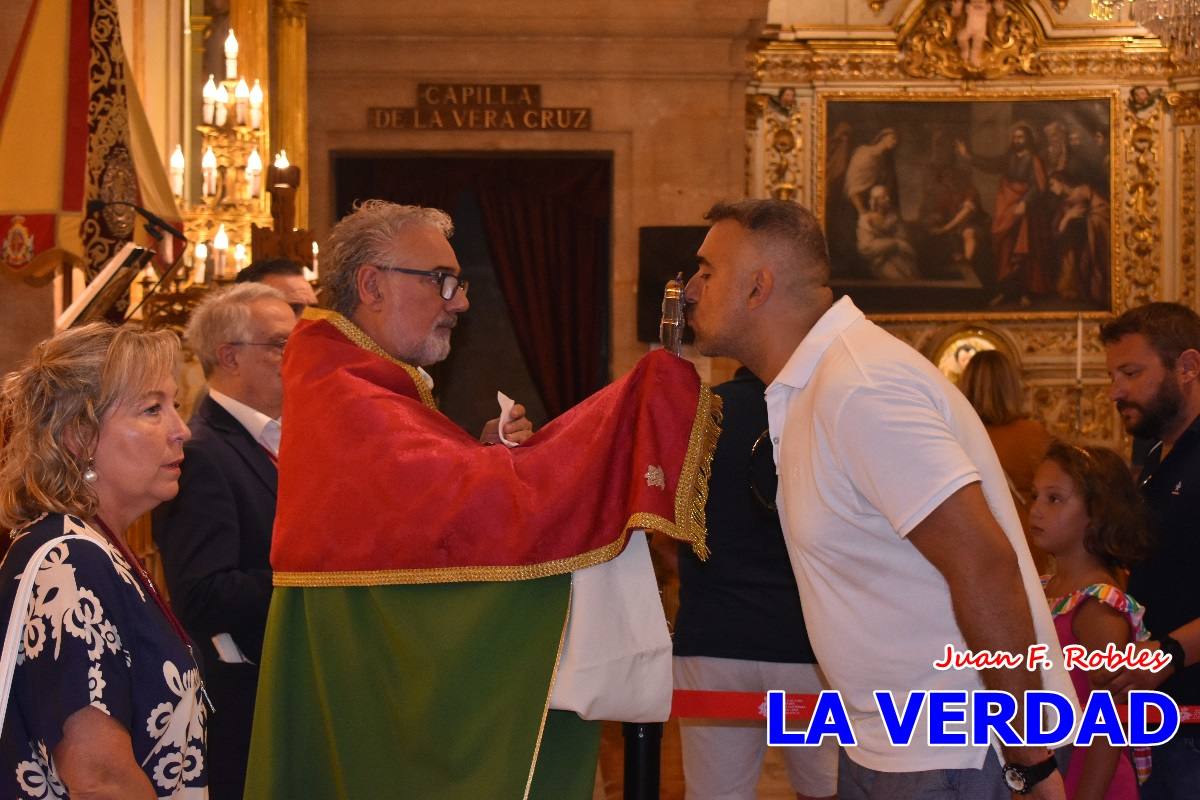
column 532, row 233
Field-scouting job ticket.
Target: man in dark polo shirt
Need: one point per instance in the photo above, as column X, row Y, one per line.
column 739, row 626
column 1153, row 358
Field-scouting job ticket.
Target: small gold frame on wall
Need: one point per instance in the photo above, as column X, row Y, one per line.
column 989, row 205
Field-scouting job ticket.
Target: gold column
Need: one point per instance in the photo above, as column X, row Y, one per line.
column 290, row 103
column 249, row 21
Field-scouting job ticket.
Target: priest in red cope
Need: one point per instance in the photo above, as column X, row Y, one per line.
column 423, row 579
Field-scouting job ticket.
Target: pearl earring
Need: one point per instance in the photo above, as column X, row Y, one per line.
column 89, row 474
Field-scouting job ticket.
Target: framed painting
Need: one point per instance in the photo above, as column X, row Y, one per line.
column 984, row 206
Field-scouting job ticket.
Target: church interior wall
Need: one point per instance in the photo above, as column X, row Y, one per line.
column 679, row 93
column 665, row 83
column 885, row 52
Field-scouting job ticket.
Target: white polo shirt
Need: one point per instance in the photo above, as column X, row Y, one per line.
column 870, row 438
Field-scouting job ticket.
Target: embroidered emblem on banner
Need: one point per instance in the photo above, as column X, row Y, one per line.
column 655, row 477
column 17, row 250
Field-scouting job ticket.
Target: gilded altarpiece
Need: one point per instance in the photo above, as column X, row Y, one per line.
column 1023, row 50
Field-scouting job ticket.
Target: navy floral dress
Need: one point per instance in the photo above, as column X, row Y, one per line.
column 93, row 636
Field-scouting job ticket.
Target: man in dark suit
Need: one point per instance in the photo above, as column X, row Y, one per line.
column 215, row 536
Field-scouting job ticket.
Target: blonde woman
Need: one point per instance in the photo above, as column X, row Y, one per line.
column 105, row 700
column 992, row 384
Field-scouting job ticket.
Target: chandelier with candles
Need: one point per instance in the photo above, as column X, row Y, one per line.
column 1175, row 22
column 231, row 196
column 228, row 207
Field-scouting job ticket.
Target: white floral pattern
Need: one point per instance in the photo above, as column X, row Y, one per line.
column 67, row 607
column 37, row 778
column 96, row 682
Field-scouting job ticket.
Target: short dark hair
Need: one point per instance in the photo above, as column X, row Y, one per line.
column 1170, row 328
column 271, row 266
column 1117, row 533
column 783, row 221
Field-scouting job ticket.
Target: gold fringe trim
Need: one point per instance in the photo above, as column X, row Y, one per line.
column 691, row 496
column 562, row 638
column 690, row 526
column 358, row 336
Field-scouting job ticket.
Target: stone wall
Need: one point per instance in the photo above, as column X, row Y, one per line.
column 665, row 82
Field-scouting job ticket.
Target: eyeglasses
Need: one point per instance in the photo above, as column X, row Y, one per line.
column 276, row 345
column 448, row 282
column 761, row 472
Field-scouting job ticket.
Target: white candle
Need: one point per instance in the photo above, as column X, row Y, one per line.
column 208, row 169
column 200, row 263
column 222, row 113
column 239, row 256
column 1079, row 348
column 231, row 54
column 220, row 247
column 315, row 269
column 256, row 103
column 209, row 95
column 241, row 98
column 254, row 168
column 177, row 166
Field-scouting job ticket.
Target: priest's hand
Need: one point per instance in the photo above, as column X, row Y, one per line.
column 518, row 428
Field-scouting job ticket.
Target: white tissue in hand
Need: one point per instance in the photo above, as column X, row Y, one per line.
column 506, row 406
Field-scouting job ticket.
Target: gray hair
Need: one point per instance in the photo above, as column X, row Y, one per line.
column 222, row 317
column 367, row 235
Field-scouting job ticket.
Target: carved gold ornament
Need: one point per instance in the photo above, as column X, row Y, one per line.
column 1187, row 215
column 1078, row 413
column 1143, row 216
column 971, row 39
column 784, row 168
column 1185, row 106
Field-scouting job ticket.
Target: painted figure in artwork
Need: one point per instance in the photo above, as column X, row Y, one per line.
column 883, row 239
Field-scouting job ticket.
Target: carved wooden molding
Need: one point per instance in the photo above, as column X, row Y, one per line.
column 1187, row 216
column 1142, row 224
column 1185, row 106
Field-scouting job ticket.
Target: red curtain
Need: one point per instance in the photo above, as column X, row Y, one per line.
column 548, row 232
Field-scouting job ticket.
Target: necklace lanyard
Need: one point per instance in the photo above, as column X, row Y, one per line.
column 148, row 584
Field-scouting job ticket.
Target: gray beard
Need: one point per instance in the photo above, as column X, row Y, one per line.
column 432, row 350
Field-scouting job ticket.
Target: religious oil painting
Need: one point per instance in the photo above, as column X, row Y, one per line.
column 988, row 206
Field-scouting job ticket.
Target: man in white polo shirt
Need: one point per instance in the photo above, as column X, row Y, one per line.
column 215, row 536
column 899, row 522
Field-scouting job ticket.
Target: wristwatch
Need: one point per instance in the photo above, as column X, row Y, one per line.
column 1021, row 778
column 1168, row 644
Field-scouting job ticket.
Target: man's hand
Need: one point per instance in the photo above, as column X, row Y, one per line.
column 518, row 429
column 1122, row 681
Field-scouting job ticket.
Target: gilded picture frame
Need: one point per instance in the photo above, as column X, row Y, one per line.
column 986, row 205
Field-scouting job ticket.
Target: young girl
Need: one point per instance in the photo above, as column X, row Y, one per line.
column 1087, row 514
